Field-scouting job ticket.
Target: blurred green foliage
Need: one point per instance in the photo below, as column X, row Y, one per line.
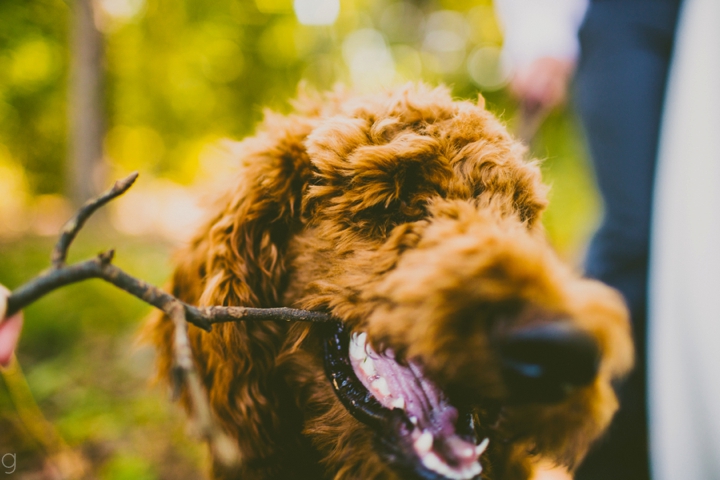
column 33, row 72
column 183, row 74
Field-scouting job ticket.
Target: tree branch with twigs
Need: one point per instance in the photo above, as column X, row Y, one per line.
column 180, row 313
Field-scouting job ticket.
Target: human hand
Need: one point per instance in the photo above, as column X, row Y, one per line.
column 9, row 329
column 543, row 84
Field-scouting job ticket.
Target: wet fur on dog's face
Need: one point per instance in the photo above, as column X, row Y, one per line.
column 415, row 220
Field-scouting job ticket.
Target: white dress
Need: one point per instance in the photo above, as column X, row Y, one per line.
column 684, row 322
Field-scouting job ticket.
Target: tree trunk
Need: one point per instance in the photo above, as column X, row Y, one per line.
column 85, row 105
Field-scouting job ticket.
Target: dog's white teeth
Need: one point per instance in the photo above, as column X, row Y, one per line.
column 480, row 449
column 433, row 462
column 472, row 471
column 468, row 452
column 465, row 474
column 367, row 367
column 357, row 346
column 380, row 386
column 361, row 352
column 423, row 444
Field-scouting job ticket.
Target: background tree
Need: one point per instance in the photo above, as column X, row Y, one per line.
column 86, row 104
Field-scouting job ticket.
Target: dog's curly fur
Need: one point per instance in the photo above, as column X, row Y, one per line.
column 407, row 215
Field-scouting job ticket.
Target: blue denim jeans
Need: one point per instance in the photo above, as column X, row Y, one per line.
column 626, row 47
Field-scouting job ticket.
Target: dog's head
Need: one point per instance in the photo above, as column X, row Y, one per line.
column 415, row 221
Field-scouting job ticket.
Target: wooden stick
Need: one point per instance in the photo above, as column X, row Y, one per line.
column 60, row 274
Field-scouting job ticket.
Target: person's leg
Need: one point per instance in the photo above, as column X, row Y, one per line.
column 626, row 47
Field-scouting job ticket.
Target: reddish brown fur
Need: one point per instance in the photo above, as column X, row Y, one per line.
column 400, row 213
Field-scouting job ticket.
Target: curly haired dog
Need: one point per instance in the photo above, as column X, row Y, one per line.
column 463, row 349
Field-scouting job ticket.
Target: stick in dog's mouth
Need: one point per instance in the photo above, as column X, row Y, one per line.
column 424, row 432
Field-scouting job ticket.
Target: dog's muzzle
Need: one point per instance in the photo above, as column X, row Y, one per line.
column 418, row 430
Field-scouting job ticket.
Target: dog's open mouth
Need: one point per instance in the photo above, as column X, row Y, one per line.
column 418, row 428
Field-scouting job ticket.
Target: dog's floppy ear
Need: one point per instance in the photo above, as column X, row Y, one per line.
column 237, row 258
column 249, row 235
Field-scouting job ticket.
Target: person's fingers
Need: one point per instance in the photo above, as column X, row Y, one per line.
column 539, row 91
column 543, row 83
column 548, row 88
column 9, row 329
column 530, row 87
column 4, row 293
column 9, row 335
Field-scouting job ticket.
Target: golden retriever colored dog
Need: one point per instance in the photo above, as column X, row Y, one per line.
column 463, row 349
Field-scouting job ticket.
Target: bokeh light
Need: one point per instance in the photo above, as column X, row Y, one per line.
column 317, row 12
column 367, row 56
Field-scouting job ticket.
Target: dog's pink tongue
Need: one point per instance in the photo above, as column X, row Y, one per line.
column 405, row 387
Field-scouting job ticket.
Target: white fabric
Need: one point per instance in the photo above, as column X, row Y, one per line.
column 540, row 28
column 684, row 322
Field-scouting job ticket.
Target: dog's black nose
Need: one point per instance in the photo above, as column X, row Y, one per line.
column 545, row 362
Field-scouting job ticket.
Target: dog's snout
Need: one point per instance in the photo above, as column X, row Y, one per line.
column 545, row 362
